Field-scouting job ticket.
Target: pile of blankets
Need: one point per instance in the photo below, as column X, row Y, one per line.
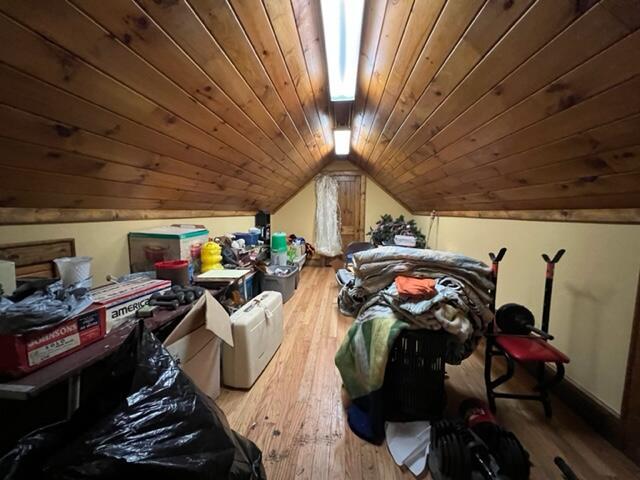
column 396, row 288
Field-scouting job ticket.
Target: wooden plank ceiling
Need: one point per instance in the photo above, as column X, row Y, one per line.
column 223, row 105
column 160, row 104
column 501, row 105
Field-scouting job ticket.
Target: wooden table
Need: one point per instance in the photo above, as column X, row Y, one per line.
column 69, row 368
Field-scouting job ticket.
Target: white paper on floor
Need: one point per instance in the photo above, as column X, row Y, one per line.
column 408, row 444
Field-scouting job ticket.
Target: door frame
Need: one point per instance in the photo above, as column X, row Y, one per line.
column 363, row 196
column 630, row 415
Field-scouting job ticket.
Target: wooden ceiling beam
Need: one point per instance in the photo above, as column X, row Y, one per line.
column 609, row 201
column 223, row 104
column 26, row 216
column 600, row 215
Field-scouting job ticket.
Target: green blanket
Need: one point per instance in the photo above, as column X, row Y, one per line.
column 362, row 357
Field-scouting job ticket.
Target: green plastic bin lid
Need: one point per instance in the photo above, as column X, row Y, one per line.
column 279, row 242
column 170, row 232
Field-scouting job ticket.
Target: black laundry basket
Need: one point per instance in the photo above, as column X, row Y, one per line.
column 414, row 377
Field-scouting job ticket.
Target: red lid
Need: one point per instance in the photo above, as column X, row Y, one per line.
column 172, row 264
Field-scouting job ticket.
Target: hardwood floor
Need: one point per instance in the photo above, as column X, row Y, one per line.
column 294, row 411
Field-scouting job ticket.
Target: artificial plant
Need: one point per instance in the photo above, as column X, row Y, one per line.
column 387, row 228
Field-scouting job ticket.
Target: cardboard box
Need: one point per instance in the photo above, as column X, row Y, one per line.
column 25, row 352
column 122, row 300
column 196, row 340
column 146, row 247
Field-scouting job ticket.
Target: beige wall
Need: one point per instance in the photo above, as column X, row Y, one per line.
column 106, row 242
column 298, row 214
column 380, row 202
column 594, row 290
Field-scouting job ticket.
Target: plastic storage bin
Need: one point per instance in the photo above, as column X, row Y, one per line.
column 414, row 378
column 405, row 240
column 279, row 259
column 147, row 247
column 285, row 284
column 250, row 239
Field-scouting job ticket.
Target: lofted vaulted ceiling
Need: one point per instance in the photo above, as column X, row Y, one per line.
column 223, row 105
column 160, row 103
column 504, row 104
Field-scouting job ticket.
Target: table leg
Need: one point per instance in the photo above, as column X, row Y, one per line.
column 73, row 394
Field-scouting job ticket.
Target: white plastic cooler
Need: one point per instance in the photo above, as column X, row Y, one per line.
column 257, row 334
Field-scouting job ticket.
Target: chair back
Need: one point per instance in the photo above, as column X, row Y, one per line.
column 355, row 247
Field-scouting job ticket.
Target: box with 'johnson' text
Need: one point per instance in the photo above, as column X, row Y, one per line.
column 21, row 353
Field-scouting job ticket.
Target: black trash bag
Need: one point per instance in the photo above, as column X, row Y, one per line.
column 41, row 305
column 146, row 418
column 229, row 256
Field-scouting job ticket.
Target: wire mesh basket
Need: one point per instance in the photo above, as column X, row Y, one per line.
column 414, row 377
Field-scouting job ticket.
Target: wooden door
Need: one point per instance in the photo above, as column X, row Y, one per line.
column 351, row 191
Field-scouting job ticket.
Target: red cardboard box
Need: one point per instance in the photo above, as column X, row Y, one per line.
column 25, row 352
column 113, row 304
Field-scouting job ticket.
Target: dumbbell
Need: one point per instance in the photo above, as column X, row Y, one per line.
column 187, row 294
column 169, row 297
column 169, row 304
column 182, row 295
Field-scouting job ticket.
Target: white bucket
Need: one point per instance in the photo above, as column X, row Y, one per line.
column 73, row 269
column 279, row 258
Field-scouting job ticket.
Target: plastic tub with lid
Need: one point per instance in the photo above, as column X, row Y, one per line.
column 175, row 270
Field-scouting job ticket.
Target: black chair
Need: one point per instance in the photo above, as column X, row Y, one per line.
column 355, row 247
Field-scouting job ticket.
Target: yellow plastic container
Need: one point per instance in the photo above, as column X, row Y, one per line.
column 211, row 256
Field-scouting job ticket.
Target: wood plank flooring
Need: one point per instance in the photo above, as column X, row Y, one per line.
column 294, row 411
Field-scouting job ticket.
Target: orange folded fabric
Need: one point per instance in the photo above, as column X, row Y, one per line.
column 416, row 287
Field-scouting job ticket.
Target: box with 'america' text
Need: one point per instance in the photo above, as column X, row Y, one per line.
column 122, row 300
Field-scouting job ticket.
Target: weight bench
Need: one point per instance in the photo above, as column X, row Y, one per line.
column 529, row 348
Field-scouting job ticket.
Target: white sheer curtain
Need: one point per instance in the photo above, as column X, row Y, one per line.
column 328, row 240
